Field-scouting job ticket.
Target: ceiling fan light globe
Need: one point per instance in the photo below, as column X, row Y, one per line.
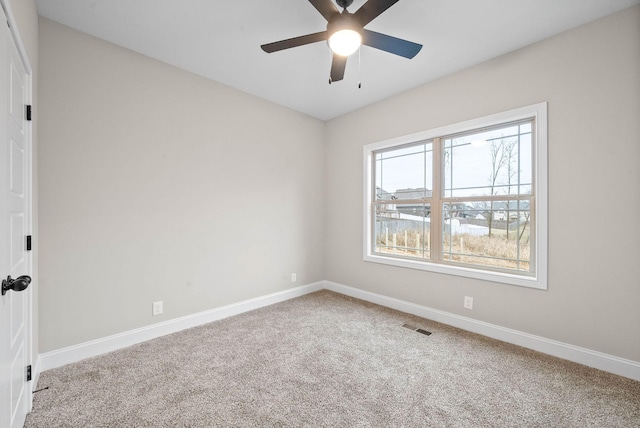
column 345, row 42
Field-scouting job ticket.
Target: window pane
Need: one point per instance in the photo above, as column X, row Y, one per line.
column 494, row 162
column 403, row 230
column 488, row 233
column 525, row 166
column 404, row 173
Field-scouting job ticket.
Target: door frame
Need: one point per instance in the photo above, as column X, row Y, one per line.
column 29, row 331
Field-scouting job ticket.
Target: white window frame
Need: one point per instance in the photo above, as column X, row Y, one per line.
column 539, row 113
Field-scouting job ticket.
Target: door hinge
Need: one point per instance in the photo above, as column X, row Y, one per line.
column 28, row 242
column 28, row 112
column 29, row 373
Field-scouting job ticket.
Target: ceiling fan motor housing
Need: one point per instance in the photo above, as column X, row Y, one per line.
column 344, row 21
column 344, row 3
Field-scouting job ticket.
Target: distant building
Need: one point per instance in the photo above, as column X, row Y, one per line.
column 388, row 210
column 415, row 208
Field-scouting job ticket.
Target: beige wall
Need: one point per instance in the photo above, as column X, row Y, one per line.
column 157, row 184
column 590, row 77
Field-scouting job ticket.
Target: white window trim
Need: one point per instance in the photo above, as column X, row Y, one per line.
column 539, row 281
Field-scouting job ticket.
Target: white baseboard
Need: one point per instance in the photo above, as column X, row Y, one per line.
column 587, row 357
column 71, row 354
column 37, row 368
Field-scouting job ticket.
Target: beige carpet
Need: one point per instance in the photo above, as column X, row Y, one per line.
column 328, row 360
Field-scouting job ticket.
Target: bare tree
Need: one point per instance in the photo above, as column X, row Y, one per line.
column 510, row 150
column 502, row 153
column 524, row 226
column 527, row 215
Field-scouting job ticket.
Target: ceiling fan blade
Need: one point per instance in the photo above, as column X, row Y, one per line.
column 294, row 42
column 338, row 65
column 372, row 9
column 390, row 44
column 326, row 8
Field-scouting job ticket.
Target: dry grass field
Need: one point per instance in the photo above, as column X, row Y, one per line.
column 495, row 251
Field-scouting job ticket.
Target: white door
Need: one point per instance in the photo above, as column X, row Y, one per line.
column 15, row 221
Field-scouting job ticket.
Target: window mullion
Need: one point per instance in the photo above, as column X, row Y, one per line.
column 436, row 202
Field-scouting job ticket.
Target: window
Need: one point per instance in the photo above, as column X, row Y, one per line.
column 467, row 199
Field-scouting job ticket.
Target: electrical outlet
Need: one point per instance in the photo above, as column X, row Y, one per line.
column 294, row 277
column 157, row 308
column 468, row 302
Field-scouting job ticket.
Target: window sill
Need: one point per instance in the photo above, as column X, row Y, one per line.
column 505, row 278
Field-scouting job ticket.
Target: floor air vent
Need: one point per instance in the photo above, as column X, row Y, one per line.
column 414, row 328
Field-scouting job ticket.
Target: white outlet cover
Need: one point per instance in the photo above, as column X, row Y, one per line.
column 468, row 302
column 157, row 308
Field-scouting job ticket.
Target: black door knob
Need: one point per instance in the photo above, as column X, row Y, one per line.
column 19, row 284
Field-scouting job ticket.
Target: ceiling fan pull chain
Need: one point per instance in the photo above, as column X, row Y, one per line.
column 359, row 68
column 330, row 62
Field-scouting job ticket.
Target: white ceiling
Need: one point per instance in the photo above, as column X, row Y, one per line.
column 221, row 40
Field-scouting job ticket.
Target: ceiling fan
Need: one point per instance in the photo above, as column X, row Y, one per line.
column 345, row 33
